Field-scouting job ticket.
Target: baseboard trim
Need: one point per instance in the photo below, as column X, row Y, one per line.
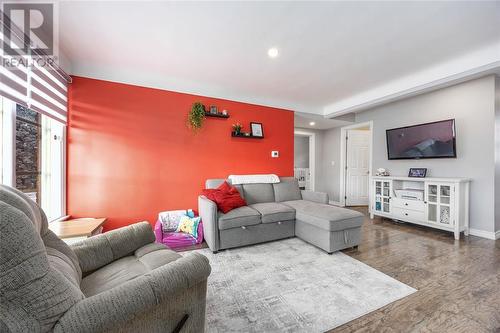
column 485, row 234
column 473, row 232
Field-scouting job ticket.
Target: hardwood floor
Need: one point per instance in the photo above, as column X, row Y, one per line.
column 458, row 282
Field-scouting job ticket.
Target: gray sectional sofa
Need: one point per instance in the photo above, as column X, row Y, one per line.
column 277, row 211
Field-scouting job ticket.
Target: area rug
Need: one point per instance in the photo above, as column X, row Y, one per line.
column 291, row 286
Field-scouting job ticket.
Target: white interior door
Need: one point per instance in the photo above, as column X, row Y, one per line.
column 357, row 167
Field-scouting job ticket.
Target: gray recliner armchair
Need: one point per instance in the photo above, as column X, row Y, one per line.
column 120, row 281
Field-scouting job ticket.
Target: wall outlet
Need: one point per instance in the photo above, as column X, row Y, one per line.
column 275, row 153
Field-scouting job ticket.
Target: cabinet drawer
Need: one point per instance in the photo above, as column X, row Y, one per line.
column 405, row 214
column 409, row 204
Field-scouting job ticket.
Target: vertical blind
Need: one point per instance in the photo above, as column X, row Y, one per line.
column 30, row 80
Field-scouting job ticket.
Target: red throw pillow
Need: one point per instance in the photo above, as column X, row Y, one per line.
column 227, row 201
column 226, row 197
column 209, row 193
column 226, row 187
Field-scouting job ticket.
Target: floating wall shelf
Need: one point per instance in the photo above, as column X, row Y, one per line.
column 216, row 115
column 234, row 135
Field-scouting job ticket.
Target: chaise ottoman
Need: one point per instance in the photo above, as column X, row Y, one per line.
column 327, row 227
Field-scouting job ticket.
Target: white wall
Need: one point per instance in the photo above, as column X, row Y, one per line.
column 497, row 153
column 330, row 182
column 301, row 151
column 472, row 104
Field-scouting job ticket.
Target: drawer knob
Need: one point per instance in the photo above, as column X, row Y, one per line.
column 279, row 222
column 406, row 214
column 406, row 204
column 243, row 227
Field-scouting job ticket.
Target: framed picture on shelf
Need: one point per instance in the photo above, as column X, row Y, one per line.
column 417, row 172
column 257, row 130
column 213, row 109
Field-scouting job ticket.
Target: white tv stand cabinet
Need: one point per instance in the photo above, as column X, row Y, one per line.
column 445, row 203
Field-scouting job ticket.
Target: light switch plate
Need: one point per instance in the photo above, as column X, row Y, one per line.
column 275, row 153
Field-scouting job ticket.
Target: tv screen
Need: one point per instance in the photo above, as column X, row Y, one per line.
column 431, row 140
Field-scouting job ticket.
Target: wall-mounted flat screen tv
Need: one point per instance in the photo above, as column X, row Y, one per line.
column 431, row 140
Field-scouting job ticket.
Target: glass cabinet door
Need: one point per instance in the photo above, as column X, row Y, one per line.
column 382, row 196
column 439, row 199
column 378, row 195
column 445, row 194
column 386, row 194
column 432, row 202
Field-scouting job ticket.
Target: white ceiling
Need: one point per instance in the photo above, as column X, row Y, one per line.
column 314, row 121
column 335, row 57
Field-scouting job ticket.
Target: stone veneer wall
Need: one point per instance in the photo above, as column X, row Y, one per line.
column 27, row 149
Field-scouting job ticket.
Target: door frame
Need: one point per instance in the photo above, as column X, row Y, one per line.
column 7, row 142
column 343, row 157
column 312, row 153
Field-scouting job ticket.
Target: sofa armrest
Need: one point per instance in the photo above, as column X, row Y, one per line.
column 97, row 251
column 319, row 197
column 158, row 231
column 209, row 217
column 117, row 308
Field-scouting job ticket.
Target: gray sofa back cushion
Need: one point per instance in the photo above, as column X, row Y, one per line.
column 40, row 274
column 257, row 193
column 214, row 183
column 240, row 189
column 286, row 190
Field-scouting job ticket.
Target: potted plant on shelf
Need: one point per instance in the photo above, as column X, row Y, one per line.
column 237, row 128
column 196, row 116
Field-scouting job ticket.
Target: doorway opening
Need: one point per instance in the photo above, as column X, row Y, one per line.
column 356, row 164
column 304, row 158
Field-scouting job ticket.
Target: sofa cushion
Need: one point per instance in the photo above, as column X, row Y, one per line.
column 214, row 183
column 62, row 259
column 288, row 189
column 257, row 193
column 324, row 216
column 144, row 260
column 240, row 189
column 274, row 212
column 238, row 217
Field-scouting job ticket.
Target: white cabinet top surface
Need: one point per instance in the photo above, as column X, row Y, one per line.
column 426, row 179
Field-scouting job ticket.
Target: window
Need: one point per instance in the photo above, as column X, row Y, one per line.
column 32, row 155
column 28, row 139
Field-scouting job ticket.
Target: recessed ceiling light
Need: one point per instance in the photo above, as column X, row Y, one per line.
column 273, row 52
column 312, row 123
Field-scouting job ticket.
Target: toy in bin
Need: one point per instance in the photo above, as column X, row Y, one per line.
column 178, row 228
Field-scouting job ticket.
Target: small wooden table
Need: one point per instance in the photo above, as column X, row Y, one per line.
column 74, row 230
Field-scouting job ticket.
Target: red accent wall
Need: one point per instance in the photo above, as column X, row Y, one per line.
column 131, row 155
